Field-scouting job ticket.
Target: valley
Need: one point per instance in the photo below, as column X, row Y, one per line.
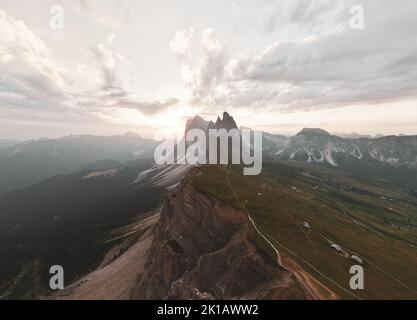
column 131, row 229
column 216, row 213
column 283, row 198
column 199, row 157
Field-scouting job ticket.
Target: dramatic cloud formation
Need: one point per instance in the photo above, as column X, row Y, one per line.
column 326, row 69
column 112, row 95
column 29, row 75
column 31, row 78
column 273, row 64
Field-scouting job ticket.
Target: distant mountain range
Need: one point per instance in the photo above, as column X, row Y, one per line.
column 319, row 146
column 26, row 163
column 390, row 158
column 7, row 143
column 125, row 228
column 393, row 158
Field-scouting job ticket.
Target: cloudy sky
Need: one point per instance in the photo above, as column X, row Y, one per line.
column 275, row 65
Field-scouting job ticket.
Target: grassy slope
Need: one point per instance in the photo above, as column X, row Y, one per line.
column 374, row 220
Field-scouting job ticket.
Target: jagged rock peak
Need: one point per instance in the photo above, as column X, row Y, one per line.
column 227, row 116
column 218, row 121
column 227, row 122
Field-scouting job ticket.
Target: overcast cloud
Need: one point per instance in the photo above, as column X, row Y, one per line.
column 274, row 64
column 333, row 67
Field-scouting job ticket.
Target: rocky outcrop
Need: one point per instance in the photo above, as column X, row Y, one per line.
column 201, row 250
column 227, row 122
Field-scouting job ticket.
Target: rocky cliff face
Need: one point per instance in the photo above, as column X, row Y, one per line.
column 227, row 122
column 201, row 250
